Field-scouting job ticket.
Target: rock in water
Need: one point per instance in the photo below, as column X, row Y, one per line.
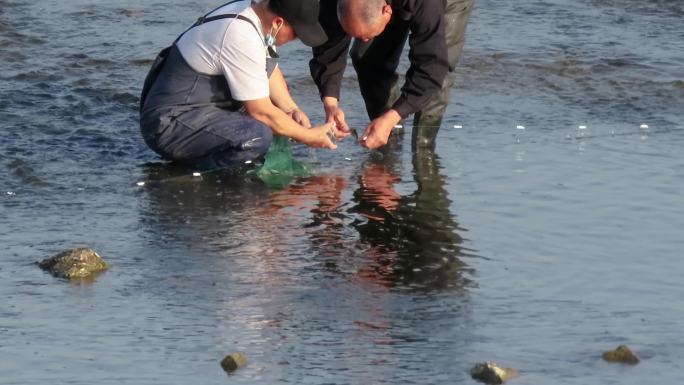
column 81, row 263
column 621, row 354
column 233, row 362
column 490, row 373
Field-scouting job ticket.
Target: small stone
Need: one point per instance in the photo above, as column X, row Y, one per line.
column 621, row 354
column 81, row 263
column 490, row 373
column 233, row 362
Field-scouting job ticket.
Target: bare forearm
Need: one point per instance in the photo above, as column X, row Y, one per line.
column 279, row 93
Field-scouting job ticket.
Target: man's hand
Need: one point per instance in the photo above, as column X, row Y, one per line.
column 300, row 117
column 378, row 131
column 333, row 113
column 319, row 136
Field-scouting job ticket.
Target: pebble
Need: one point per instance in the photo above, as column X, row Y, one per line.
column 233, row 362
column 490, row 373
column 81, row 263
column 621, row 354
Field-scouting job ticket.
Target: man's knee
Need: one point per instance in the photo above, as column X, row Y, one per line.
column 258, row 144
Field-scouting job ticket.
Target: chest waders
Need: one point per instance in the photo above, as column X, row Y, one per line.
column 192, row 118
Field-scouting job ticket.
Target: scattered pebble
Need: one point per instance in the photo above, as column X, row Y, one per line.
column 233, row 362
column 490, row 373
column 140, row 184
column 621, row 354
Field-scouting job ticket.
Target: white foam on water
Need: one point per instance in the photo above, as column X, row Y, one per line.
column 643, row 126
column 520, row 127
column 140, row 184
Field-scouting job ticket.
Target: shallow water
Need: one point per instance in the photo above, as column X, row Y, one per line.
column 538, row 247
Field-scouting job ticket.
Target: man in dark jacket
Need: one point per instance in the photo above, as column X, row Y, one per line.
column 435, row 30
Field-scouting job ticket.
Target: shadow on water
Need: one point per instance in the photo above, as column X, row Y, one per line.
column 360, row 228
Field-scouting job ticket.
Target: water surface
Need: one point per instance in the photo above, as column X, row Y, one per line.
column 538, row 247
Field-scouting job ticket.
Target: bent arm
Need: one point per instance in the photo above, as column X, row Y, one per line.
column 428, row 57
column 280, row 95
column 330, row 59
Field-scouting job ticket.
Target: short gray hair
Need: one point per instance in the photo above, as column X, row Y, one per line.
column 367, row 11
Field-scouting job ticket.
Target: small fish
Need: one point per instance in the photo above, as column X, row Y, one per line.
column 354, row 134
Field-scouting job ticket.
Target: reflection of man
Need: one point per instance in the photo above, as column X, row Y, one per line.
column 435, row 30
column 411, row 239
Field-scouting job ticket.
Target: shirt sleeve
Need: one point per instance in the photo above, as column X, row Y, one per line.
column 427, row 55
column 243, row 62
column 330, row 59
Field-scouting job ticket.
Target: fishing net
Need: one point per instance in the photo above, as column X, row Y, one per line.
column 279, row 167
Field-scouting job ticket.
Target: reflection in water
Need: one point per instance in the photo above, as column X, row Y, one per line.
column 412, row 239
column 374, row 233
column 211, row 211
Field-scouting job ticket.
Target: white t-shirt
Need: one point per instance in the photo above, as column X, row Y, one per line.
column 230, row 47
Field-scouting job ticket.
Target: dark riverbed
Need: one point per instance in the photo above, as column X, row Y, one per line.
column 538, row 247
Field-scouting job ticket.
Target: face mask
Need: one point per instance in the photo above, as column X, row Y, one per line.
column 270, row 38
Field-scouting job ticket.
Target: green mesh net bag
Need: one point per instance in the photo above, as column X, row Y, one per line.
column 279, row 166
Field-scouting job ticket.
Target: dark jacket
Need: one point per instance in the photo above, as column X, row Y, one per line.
column 427, row 54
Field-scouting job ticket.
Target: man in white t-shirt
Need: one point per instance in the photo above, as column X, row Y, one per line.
column 220, row 95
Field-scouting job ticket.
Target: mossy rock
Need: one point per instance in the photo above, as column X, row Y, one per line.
column 490, row 373
column 76, row 264
column 233, row 362
column 621, row 354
